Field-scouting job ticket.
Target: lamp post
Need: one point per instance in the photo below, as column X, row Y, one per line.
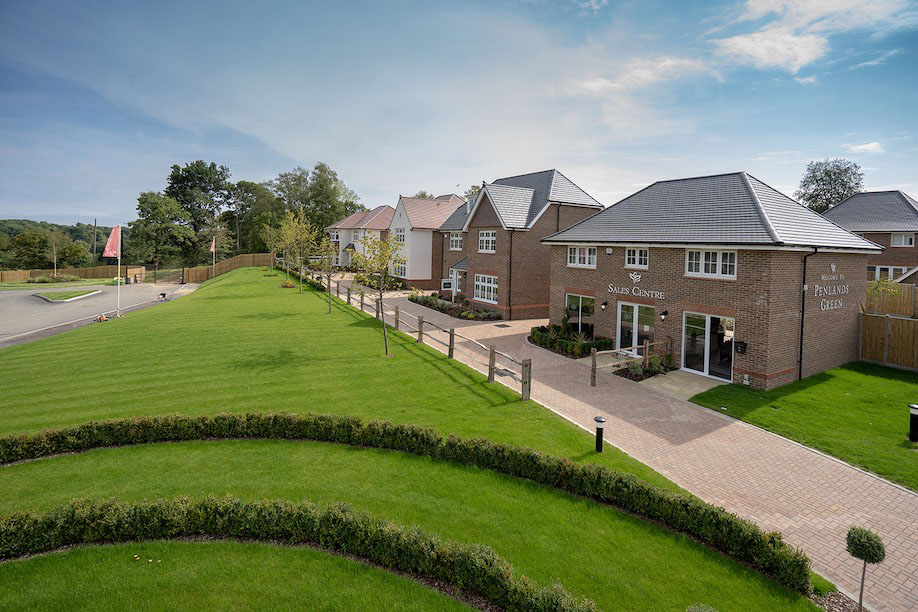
column 913, row 422
column 600, row 423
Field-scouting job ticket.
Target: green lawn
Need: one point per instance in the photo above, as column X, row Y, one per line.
column 858, row 413
column 215, row 575
column 241, row 343
column 593, row 550
column 59, row 296
column 86, row 282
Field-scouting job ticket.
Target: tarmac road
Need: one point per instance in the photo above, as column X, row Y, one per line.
column 24, row 317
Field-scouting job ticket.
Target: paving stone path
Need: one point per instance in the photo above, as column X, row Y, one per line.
column 809, row 497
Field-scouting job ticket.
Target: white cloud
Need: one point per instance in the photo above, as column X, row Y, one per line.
column 639, row 73
column 795, row 33
column 810, row 80
column 592, row 5
column 878, row 61
column 867, row 147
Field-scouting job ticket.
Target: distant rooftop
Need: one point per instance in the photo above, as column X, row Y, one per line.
column 876, row 211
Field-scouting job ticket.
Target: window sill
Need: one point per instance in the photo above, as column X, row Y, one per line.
column 627, row 267
column 710, row 276
column 902, row 246
column 484, row 301
column 581, row 266
column 455, row 250
column 487, row 252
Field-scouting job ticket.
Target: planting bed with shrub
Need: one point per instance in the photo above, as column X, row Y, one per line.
column 337, row 528
column 565, row 341
column 50, row 278
column 723, row 531
column 461, row 309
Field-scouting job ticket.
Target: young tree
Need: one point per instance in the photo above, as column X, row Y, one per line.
column 867, row 546
column 326, row 251
column 300, row 238
column 57, row 242
column 826, row 183
column 378, row 257
column 160, row 231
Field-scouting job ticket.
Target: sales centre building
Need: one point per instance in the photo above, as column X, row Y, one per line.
column 735, row 279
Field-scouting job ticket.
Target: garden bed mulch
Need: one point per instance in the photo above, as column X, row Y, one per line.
column 836, row 602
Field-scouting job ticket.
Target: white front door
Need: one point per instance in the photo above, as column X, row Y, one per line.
column 707, row 344
column 635, row 324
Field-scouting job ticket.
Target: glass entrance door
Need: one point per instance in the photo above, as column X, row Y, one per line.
column 635, row 324
column 707, row 345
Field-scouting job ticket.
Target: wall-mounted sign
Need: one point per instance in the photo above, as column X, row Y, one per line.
column 635, row 277
column 637, row 291
column 831, row 294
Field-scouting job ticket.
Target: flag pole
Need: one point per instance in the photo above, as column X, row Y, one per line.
column 119, row 271
column 213, row 258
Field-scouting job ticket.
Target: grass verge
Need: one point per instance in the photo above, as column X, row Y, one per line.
column 60, row 296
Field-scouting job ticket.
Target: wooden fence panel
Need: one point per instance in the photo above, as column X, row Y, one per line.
column 889, row 340
column 203, row 273
column 14, row 276
column 106, row 272
column 903, row 304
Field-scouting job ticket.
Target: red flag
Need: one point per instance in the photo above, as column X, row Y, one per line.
column 114, row 240
column 213, row 244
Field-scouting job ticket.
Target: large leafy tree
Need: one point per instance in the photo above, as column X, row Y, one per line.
column 75, row 254
column 260, row 207
column 160, row 232
column 319, row 194
column 827, row 182
column 30, row 249
column 201, row 189
column 292, row 188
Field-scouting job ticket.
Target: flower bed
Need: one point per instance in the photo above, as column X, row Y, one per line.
column 635, row 370
column 567, row 342
column 461, row 309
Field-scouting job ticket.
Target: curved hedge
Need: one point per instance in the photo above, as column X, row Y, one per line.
column 736, row 537
column 474, row 568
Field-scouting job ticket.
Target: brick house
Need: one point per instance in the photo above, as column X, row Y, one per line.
column 738, row 281
column 415, row 224
column 888, row 218
column 491, row 248
column 348, row 233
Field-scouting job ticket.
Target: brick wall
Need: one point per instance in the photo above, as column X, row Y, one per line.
column 891, row 256
column 764, row 300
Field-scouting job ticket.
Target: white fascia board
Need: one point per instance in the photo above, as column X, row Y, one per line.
column 714, row 246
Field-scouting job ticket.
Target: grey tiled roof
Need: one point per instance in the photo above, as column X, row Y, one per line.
column 462, row 264
column 876, row 211
column 546, row 186
column 723, row 209
column 513, row 204
column 456, row 221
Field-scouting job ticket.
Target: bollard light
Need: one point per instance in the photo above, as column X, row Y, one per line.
column 913, row 422
column 600, row 423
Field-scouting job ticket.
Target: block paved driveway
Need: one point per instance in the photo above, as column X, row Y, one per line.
column 809, row 497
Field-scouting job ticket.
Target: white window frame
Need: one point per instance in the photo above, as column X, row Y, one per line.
column 581, row 257
column 455, row 241
column 891, row 272
column 906, row 240
column 400, row 270
column 334, row 235
column 634, row 257
column 487, row 238
column 358, row 234
column 485, row 288
column 400, row 235
column 708, row 259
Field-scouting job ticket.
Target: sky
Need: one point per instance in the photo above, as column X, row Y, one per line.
column 98, row 100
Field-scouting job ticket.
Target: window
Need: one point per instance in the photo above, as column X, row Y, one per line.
column 400, row 270
column 636, row 258
column 581, row 257
column 400, row 235
column 487, row 241
column 357, row 234
column 455, row 241
column 579, row 310
column 710, row 264
column 903, row 240
column 334, row 235
column 485, row 288
column 892, row 272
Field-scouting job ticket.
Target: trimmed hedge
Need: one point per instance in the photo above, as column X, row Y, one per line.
column 474, row 568
column 736, row 537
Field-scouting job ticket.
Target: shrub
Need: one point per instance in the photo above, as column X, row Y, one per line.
column 288, row 284
column 635, row 368
column 719, row 529
column 338, row 528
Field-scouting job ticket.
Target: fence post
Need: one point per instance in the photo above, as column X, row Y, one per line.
column 452, row 341
column 349, row 295
column 491, row 358
column 338, row 290
column 886, row 339
column 421, row 330
column 646, row 353
column 527, row 379
column 593, row 368
column 362, row 295
column 396, row 318
column 860, row 333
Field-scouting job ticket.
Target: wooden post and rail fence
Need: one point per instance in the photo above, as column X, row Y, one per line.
column 423, row 330
column 627, row 356
column 203, row 273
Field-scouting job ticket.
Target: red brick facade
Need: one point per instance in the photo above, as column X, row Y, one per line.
column 891, row 256
column 764, row 300
column 520, row 261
